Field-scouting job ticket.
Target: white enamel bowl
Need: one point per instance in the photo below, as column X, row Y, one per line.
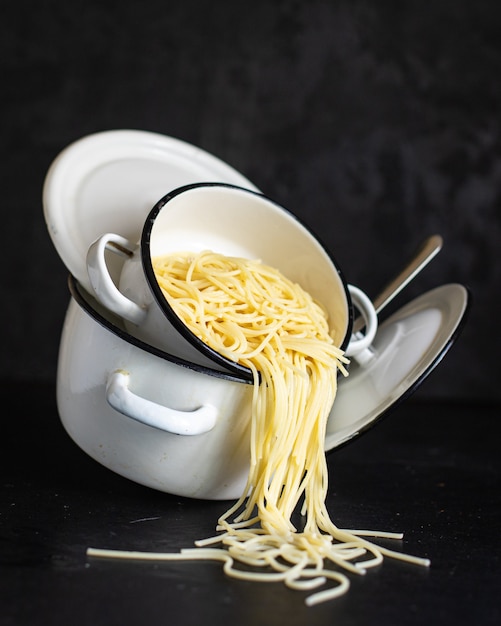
column 230, row 220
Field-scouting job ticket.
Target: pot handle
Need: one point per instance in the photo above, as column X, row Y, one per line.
column 119, row 396
column 103, row 285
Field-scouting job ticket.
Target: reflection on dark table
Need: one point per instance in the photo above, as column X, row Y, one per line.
column 430, row 470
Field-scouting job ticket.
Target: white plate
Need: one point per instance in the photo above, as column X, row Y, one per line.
column 109, row 181
column 407, row 347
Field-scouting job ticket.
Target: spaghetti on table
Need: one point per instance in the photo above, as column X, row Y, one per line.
column 251, row 313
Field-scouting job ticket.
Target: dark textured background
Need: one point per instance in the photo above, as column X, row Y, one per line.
column 378, row 123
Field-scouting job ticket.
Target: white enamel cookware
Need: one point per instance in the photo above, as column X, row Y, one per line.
column 154, row 418
column 230, row 220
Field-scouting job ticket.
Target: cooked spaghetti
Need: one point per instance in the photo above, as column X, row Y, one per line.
column 252, row 314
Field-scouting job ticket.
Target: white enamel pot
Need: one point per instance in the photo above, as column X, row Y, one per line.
column 151, row 417
column 230, row 220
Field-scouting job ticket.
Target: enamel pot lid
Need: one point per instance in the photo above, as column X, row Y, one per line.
column 406, row 349
column 108, row 182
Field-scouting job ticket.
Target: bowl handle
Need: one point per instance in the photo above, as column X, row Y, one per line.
column 103, row 285
column 177, row 422
column 360, row 343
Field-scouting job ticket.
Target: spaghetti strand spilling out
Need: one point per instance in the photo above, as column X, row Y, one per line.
column 253, row 315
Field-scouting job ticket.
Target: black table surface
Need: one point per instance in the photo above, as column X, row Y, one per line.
column 429, row 469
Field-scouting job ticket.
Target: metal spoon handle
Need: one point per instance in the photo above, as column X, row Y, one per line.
column 426, row 251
